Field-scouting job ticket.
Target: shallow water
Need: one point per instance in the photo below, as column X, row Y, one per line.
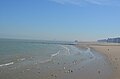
column 18, row 51
column 23, row 59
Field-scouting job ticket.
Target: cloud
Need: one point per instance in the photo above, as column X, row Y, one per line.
column 95, row 2
column 68, row 1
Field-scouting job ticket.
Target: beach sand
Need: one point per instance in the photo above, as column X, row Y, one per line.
column 68, row 67
column 111, row 51
column 113, row 54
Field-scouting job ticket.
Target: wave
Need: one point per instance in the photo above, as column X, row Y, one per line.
column 68, row 50
column 22, row 59
column 88, row 51
column 55, row 54
column 7, row 64
column 50, row 59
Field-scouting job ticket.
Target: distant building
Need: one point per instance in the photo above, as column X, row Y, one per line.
column 110, row 40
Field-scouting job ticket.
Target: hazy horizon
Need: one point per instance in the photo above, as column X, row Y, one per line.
column 83, row 20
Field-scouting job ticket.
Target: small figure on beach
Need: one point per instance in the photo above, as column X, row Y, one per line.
column 99, row 72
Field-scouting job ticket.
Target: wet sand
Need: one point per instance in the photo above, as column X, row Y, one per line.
column 112, row 52
column 62, row 67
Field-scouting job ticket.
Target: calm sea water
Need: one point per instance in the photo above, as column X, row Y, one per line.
column 30, row 59
column 29, row 52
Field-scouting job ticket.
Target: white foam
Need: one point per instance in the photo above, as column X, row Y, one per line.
column 7, row 64
column 52, row 55
column 68, row 50
column 89, row 52
column 55, row 54
column 22, row 59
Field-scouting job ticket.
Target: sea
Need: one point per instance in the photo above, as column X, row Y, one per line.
column 16, row 51
column 42, row 59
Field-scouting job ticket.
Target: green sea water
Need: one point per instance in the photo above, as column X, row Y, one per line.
column 13, row 51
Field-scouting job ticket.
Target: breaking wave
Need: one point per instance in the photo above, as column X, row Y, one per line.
column 7, row 64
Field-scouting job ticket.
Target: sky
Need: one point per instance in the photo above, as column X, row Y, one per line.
column 84, row 20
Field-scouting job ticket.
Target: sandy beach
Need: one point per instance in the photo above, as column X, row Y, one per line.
column 80, row 62
column 111, row 51
column 55, row 61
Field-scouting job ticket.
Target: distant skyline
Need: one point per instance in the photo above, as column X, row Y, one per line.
column 84, row 20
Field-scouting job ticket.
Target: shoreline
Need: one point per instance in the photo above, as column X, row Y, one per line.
column 75, row 64
column 70, row 62
column 111, row 51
